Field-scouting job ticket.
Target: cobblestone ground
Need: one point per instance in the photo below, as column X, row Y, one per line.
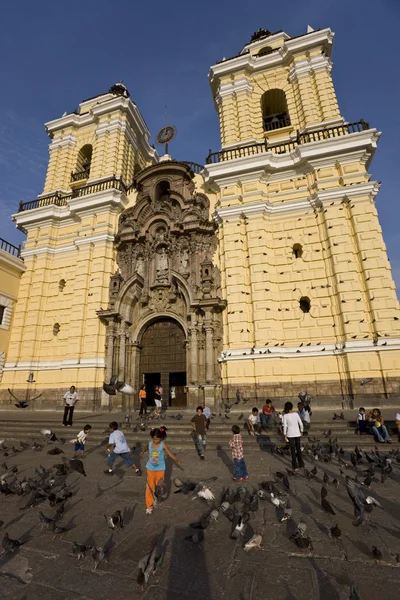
column 218, row 567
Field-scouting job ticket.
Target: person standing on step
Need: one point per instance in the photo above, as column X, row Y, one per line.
column 292, row 430
column 70, row 400
column 199, row 425
column 142, row 400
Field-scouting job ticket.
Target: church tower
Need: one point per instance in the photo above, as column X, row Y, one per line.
column 69, row 254
column 311, row 299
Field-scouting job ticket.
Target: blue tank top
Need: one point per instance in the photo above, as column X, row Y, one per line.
column 156, row 460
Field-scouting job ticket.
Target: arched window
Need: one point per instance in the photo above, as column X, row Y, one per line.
column 61, row 284
column 298, row 250
column 274, row 110
column 305, row 304
column 56, row 329
column 266, row 50
column 83, row 162
column 163, row 190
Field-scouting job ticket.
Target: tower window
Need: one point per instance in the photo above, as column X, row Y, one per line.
column 61, row 284
column 274, row 110
column 298, row 250
column 56, row 329
column 163, row 190
column 266, row 50
column 84, row 159
column 2, row 309
column 305, row 304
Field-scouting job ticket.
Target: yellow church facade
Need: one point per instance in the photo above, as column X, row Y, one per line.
column 263, row 271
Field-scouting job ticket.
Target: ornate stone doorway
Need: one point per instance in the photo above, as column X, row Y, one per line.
column 163, row 360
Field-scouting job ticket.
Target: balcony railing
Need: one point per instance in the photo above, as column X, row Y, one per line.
column 61, row 200
column 10, row 248
column 276, row 123
column 195, row 167
column 283, row 147
column 81, row 175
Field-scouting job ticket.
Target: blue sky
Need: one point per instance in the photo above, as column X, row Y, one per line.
column 56, row 54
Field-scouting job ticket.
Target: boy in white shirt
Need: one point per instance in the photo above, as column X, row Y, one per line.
column 117, row 446
column 254, row 422
column 79, row 448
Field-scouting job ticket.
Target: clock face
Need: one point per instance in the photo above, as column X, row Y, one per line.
column 166, row 134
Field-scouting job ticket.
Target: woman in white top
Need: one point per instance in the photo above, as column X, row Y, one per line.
column 292, row 430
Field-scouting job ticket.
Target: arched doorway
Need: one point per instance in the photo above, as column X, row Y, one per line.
column 163, row 360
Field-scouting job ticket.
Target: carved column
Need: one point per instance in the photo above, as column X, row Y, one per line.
column 122, row 354
column 194, row 374
column 110, row 338
column 209, row 349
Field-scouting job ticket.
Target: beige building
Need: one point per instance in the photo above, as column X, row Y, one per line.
column 264, row 271
column 11, row 270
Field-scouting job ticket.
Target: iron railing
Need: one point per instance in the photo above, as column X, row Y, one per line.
column 282, row 147
column 10, row 248
column 276, row 123
column 61, row 200
column 80, row 175
column 195, row 167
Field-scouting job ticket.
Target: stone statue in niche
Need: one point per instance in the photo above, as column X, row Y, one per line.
column 140, row 266
column 184, row 261
column 160, row 234
column 162, row 266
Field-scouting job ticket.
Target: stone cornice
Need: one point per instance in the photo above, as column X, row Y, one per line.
column 218, row 173
column 250, row 63
column 323, row 350
column 74, row 363
column 12, row 262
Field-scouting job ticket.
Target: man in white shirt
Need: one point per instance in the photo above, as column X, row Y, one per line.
column 70, row 399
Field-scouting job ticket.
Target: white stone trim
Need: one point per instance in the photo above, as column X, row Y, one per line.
column 235, row 87
column 300, row 68
column 78, row 242
column 348, row 347
column 8, row 308
column 74, row 363
column 12, row 261
column 318, row 199
column 217, row 172
column 251, row 63
column 65, row 140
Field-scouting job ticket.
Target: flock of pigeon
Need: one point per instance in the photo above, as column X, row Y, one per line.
column 50, row 490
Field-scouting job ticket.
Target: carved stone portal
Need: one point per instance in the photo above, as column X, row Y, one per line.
column 165, row 247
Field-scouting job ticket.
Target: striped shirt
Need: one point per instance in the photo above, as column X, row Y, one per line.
column 236, row 444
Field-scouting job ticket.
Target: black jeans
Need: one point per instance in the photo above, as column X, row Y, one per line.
column 68, row 412
column 295, row 449
column 143, row 408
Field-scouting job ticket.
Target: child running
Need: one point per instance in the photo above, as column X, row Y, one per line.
column 79, row 448
column 117, row 446
column 156, row 464
column 239, row 466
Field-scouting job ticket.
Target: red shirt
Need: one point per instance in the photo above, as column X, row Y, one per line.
column 268, row 409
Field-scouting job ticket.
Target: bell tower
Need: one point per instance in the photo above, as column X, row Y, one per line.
column 311, row 299
column 95, row 154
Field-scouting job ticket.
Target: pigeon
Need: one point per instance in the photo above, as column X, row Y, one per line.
column 240, row 417
column 160, row 493
column 238, row 526
column 10, row 545
column 328, row 433
column 196, row 537
column 55, row 451
column 117, row 386
column 58, row 530
column 287, row 512
column 324, row 492
column 334, row 532
column 301, row 529
column 314, row 472
column 205, row 493
column 203, row 523
column 304, row 543
column 354, row 595
column 46, row 521
column 284, row 479
column 327, row 507
column 22, row 403
column 49, row 435
column 254, row 542
column 361, row 502
column 376, row 553
column 149, row 563
column 98, row 554
column 76, row 465
column 115, row 520
column 325, row 479
column 214, row 514
column 276, row 501
column 79, row 550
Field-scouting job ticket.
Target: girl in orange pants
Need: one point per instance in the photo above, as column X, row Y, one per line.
column 156, row 464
